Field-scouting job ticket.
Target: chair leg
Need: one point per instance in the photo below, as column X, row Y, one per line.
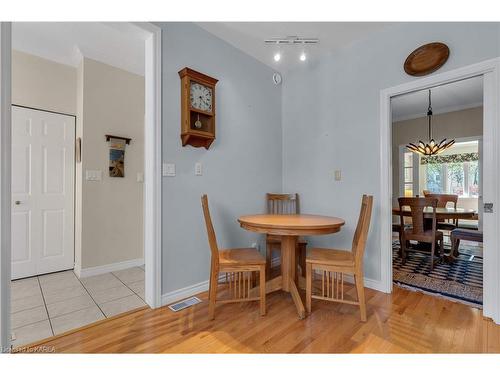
column 433, row 248
column 455, row 244
column 302, row 259
column 309, row 272
column 269, row 258
column 400, row 251
column 360, row 288
column 212, row 294
column 297, row 263
column 262, row 274
column 403, row 251
column 281, row 258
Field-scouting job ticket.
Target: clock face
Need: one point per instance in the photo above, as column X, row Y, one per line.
column 201, row 97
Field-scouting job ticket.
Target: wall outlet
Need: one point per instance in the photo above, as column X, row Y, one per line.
column 337, row 175
column 168, row 170
column 198, row 170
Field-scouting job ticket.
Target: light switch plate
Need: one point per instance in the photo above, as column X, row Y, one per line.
column 168, row 169
column 93, row 175
column 140, row 177
column 198, row 170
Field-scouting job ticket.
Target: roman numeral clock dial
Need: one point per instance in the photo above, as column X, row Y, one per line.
column 197, row 108
column 201, row 97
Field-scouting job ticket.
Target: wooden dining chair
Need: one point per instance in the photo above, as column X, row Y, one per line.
column 333, row 264
column 283, row 204
column 419, row 231
column 443, row 200
column 238, row 264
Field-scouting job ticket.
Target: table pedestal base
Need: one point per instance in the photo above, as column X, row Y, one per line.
column 286, row 281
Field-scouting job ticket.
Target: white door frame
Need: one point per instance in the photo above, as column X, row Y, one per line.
column 152, row 171
column 5, row 166
column 491, row 164
column 152, row 167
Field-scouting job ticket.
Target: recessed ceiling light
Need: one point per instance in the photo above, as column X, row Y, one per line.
column 303, row 56
column 277, row 57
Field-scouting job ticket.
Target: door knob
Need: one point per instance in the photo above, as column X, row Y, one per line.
column 17, row 203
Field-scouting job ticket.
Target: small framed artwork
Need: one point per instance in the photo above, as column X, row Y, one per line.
column 117, row 155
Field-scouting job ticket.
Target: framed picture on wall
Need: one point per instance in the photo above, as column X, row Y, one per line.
column 117, row 155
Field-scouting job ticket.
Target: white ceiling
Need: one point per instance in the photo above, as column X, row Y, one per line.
column 448, row 98
column 249, row 37
column 112, row 43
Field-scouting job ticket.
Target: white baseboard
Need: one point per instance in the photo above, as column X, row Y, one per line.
column 99, row 270
column 182, row 293
column 189, row 291
column 369, row 283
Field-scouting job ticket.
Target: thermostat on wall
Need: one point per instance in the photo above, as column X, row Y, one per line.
column 277, row 78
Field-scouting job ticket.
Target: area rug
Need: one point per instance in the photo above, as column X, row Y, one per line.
column 460, row 280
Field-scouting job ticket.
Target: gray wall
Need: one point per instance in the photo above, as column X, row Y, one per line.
column 330, row 118
column 243, row 163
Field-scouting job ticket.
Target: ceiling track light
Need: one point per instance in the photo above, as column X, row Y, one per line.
column 292, row 40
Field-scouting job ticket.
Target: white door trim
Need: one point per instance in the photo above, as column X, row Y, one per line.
column 5, row 166
column 489, row 69
column 152, row 167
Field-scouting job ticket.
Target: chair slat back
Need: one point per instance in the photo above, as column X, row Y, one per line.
column 282, row 204
column 361, row 233
column 212, row 240
column 417, row 206
column 443, row 199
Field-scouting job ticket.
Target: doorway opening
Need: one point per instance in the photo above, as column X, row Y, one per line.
column 453, row 178
column 101, row 253
column 488, row 70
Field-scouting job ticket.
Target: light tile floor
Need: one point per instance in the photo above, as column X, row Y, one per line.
column 47, row 305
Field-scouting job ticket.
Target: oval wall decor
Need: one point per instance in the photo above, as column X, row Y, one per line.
column 426, row 59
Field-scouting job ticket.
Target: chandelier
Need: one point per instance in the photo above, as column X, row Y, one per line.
column 432, row 147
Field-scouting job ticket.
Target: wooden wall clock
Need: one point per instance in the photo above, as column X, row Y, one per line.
column 197, row 108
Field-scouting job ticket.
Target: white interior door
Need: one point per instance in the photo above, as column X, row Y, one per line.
column 43, row 175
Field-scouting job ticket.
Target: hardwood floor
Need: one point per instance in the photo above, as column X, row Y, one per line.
column 404, row 322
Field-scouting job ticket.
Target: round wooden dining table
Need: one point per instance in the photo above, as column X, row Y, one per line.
column 289, row 228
